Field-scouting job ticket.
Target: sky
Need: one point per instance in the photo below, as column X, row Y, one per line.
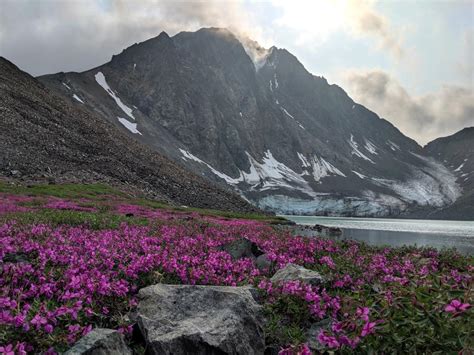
column 410, row 61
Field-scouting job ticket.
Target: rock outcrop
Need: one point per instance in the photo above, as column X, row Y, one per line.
column 242, row 248
column 100, row 341
column 189, row 319
column 292, row 272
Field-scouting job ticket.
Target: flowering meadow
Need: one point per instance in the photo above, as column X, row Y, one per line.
column 71, row 262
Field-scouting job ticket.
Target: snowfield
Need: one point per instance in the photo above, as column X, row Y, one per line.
column 100, row 78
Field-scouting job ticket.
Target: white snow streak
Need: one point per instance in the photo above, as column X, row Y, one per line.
column 356, row 151
column 370, row 147
column 459, row 167
column 66, row 85
column 359, row 174
column 132, row 127
column 100, row 78
column 304, row 161
column 322, row 168
column 227, row 178
column 77, row 98
column 291, row 116
column 393, row 146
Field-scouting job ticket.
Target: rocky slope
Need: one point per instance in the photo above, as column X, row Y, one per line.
column 258, row 121
column 43, row 135
column 457, row 153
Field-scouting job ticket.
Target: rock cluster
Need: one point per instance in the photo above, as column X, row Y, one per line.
column 100, row 341
column 194, row 319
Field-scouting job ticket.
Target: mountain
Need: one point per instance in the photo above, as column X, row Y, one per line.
column 457, row 153
column 256, row 120
column 43, row 135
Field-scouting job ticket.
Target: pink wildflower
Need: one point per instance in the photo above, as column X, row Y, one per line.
column 456, row 306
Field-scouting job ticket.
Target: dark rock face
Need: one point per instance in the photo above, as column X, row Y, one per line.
column 184, row 319
column 100, row 341
column 457, row 154
column 242, row 248
column 292, row 272
column 44, row 136
column 285, row 139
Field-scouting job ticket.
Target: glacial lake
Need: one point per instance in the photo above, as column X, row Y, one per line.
column 396, row 232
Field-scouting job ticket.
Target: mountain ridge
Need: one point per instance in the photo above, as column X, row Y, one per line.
column 282, row 137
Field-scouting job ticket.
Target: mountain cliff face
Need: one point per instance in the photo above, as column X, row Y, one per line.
column 257, row 121
column 44, row 136
column 457, row 153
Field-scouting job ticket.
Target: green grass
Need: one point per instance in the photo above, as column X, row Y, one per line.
column 212, row 212
column 93, row 220
column 100, row 192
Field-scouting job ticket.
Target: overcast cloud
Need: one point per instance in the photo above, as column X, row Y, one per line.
column 47, row 36
column 422, row 118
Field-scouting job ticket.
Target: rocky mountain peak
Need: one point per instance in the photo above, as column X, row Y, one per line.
column 255, row 120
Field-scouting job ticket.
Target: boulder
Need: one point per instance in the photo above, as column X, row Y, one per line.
column 312, row 335
column 292, row 272
column 242, row 248
column 190, row 319
column 263, row 263
column 100, row 341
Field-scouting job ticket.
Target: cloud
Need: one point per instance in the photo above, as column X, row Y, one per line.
column 313, row 21
column 45, row 36
column 423, row 118
column 366, row 20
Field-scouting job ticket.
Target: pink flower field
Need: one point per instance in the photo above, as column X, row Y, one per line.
column 62, row 275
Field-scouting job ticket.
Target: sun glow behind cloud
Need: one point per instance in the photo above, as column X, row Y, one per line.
column 314, row 21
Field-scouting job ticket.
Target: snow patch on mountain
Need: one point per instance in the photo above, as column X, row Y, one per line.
column 322, row 168
column 67, row 86
column 459, row 167
column 100, row 78
column 77, row 98
column 433, row 185
column 305, row 163
column 132, row 127
column 362, row 176
column 393, row 146
column 370, row 147
column 356, row 151
column 292, row 117
column 187, row 155
column 271, row 174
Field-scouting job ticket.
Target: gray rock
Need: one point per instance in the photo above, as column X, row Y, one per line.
column 295, row 272
column 313, row 332
column 188, row 319
column 242, row 248
column 263, row 263
column 100, row 341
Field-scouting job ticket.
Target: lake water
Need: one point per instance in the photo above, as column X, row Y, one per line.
column 398, row 232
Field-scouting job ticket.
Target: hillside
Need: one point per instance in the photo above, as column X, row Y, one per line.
column 457, row 153
column 43, row 136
